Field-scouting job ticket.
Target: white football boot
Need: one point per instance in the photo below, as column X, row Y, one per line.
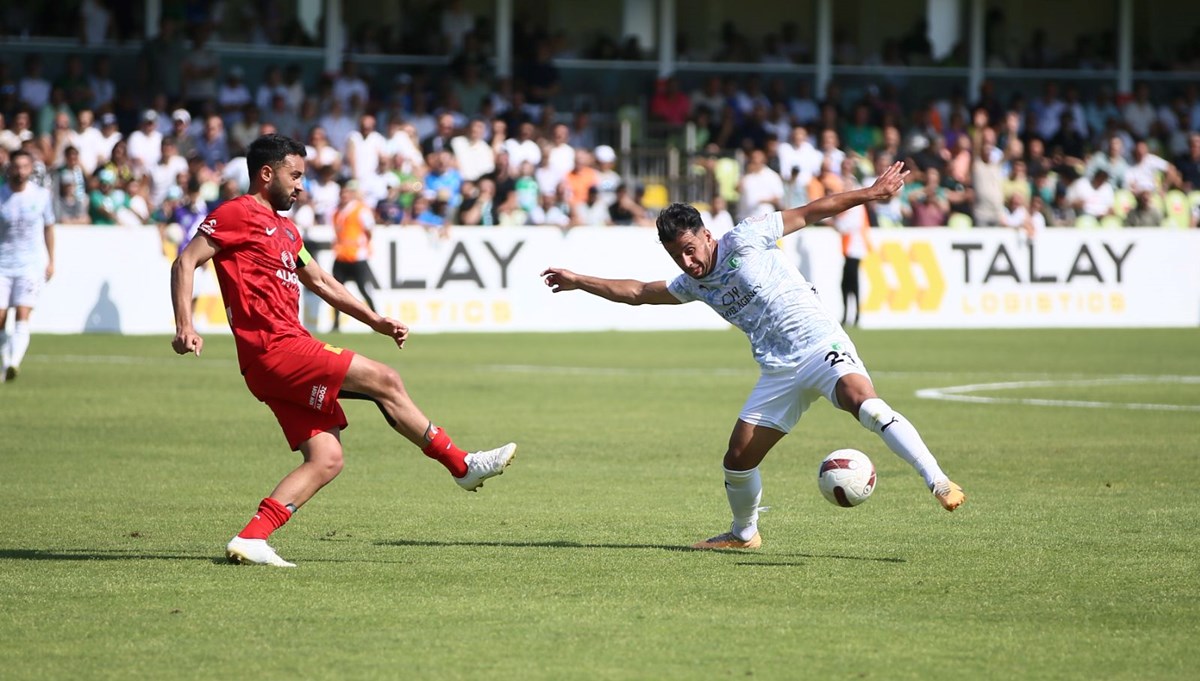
column 253, row 552
column 484, row 465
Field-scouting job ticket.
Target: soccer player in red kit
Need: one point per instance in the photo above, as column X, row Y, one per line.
column 261, row 263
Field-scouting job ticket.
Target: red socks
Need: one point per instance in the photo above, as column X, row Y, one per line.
column 271, row 515
column 444, row 451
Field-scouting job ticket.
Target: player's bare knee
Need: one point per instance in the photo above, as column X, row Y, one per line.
column 391, row 385
column 330, row 464
column 736, row 460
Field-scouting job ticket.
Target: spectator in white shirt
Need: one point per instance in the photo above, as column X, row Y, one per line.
column 561, row 154
column 366, row 154
column 321, row 154
column 403, row 151
column 1019, row 216
column 145, row 143
column 592, row 212
column 717, row 218
column 607, row 177
column 1147, row 170
column 799, row 160
column 474, row 155
column 166, row 170
column 110, row 135
column 1092, row 195
column 522, row 148
column 761, row 188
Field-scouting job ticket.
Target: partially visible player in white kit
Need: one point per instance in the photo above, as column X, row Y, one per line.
column 802, row 350
column 26, row 256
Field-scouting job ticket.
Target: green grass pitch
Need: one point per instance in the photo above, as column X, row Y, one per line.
column 124, row 469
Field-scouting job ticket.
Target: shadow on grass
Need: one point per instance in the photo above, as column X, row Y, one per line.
column 560, row 544
column 97, row 554
column 660, row 547
column 116, row 554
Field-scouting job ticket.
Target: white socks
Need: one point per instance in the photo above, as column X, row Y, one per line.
column 5, row 350
column 901, row 437
column 744, row 489
column 18, row 344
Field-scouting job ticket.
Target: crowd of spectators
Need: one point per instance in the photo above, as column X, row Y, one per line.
column 1053, row 160
column 468, row 149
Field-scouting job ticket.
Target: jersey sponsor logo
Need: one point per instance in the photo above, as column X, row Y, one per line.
column 271, row 230
column 736, row 299
column 289, row 260
column 316, row 398
column 333, row 348
column 208, row 226
column 904, row 266
column 288, row 278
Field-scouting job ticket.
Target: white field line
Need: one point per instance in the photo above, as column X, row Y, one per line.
column 959, row 393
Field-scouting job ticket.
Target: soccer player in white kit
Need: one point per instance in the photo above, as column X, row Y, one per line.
column 802, row 350
column 26, row 256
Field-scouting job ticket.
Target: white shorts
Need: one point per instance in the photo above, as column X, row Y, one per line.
column 781, row 396
column 20, row 291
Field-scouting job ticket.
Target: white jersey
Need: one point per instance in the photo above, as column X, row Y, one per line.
column 23, row 219
column 754, row 287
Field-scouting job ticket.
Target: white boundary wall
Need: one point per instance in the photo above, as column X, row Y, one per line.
column 117, row 280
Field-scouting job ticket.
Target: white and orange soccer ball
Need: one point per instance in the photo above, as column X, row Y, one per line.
column 846, row 477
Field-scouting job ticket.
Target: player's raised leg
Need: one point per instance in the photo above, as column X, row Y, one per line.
column 382, row 384
column 856, row 394
column 748, row 445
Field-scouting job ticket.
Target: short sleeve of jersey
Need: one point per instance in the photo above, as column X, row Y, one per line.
column 227, row 225
column 759, row 232
column 681, row 288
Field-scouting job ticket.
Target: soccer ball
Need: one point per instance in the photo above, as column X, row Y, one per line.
column 846, row 477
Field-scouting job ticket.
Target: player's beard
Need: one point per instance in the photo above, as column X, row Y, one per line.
column 280, row 197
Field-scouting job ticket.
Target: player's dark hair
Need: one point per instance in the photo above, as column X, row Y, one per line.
column 676, row 219
column 18, row 153
column 271, row 150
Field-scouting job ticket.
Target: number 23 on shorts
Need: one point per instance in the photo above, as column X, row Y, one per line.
column 837, row 355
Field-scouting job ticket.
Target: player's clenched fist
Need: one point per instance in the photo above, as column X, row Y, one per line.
column 187, row 341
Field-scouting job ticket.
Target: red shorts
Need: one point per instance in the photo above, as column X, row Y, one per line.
column 299, row 379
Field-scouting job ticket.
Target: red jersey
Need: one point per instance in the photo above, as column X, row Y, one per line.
column 256, row 268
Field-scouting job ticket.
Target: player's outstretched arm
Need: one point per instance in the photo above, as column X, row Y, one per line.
column 887, row 185
column 199, row 250
column 322, row 283
column 628, row 291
